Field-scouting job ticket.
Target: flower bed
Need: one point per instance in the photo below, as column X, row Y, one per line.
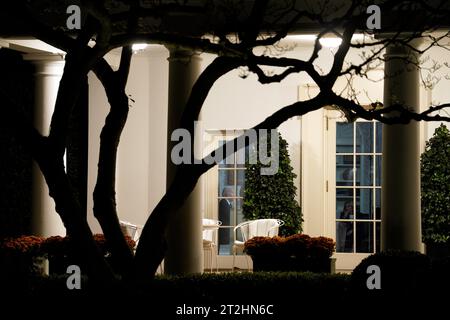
column 59, row 252
column 24, row 256
column 21, row 256
column 298, row 252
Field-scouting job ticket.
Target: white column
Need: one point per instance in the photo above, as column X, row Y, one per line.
column 184, row 236
column 48, row 71
column 400, row 200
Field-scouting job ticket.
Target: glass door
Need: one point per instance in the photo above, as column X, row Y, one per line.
column 358, row 186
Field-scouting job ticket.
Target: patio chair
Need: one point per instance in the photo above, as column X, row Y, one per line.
column 131, row 230
column 134, row 232
column 254, row 228
column 210, row 227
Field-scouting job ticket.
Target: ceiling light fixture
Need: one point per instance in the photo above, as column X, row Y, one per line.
column 139, row 46
column 327, row 41
column 330, row 42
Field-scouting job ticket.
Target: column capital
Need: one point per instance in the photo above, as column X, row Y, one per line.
column 46, row 64
column 399, row 50
column 180, row 54
column 43, row 57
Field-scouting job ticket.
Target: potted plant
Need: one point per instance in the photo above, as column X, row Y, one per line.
column 298, row 252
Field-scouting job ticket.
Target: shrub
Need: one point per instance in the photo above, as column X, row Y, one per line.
column 60, row 246
column 60, row 252
column 440, row 273
column 435, row 183
column 400, row 271
column 23, row 256
column 20, row 259
column 258, row 287
column 273, row 196
column 23, row 245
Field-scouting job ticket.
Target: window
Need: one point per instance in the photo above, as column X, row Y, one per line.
column 358, row 186
column 231, row 180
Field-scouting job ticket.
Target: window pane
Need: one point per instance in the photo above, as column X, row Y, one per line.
column 242, row 156
column 227, row 162
column 364, row 170
column 240, row 183
column 364, row 137
column 226, row 183
column 364, row 203
column 226, row 212
column 364, row 237
column 378, row 168
column 378, row 204
column 344, row 203
column 344, row 137
column 378, row 141
column 239, row 212
column 344, row 236
column 226, row 240
column 344, row 170
column 377, row 236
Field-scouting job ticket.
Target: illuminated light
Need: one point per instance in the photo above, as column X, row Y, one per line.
column 327, row 42
column 330, row 42
column 360, row 37
column 139, row 46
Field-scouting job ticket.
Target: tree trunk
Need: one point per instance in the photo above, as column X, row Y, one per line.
column 73, row 218
column 152, row 244
column 104, row 194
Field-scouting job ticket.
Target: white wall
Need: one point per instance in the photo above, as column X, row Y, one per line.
column 133, row 171
column 237, row 103
column 98, row 109
column 139, row 162
column 158, row 69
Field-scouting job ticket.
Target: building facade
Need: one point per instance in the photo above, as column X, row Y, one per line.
column 339, row 165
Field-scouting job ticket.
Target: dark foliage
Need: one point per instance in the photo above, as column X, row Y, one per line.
column 435, row 182
column 401, row 271
column 16, row 84
column 273, row 196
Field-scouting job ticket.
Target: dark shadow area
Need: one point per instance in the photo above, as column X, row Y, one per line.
column 16, row 90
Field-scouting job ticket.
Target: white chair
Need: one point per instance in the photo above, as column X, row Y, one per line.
column 254, row 228
column 210, row 227
column 131, row 230
column 134, row 232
